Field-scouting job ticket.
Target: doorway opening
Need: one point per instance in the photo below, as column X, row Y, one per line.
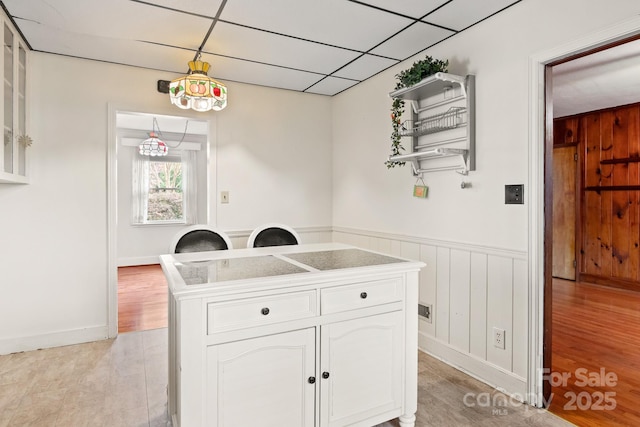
column 152, row 198
column 592, row 212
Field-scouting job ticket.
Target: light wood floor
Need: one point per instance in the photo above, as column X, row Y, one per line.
column 142, row 298
column 596, row 328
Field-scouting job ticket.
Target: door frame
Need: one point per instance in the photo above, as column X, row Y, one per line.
column 540, row 144
column 112, row 189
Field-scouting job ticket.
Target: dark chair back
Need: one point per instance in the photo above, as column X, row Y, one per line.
column 200, row 239
column 273, row 235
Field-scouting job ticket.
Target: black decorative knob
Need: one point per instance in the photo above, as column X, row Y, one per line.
column 311, row 380
column 265, row 311
column 363, row 295
column 325, row 375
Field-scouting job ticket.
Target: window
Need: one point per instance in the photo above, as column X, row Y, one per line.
column 164, row 189
column 166, row 201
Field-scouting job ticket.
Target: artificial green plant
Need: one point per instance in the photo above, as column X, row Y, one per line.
column 407, row 78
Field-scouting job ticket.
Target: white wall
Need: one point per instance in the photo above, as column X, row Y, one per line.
column 475, row 245
column 274, row 157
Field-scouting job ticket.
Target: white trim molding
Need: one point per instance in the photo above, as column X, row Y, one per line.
column 537, row 63
column 495, row 376
column 53, row 339
column 435, row 242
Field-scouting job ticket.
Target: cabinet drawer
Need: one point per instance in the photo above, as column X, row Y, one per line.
column 360, row 295
column 249, row 312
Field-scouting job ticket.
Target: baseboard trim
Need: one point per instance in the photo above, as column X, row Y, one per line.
column 140, row 260
column 489, row 250
column 490, row 374
column 53, row 339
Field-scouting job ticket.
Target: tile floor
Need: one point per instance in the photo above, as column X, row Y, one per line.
column 117, row 382
column 122, row 382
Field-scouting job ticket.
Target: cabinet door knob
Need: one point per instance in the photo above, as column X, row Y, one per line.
column 265, row 311
column 363, row 295
column 311, row 380
column 325, row 375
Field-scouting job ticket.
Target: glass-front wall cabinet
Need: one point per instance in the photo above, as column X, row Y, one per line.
column 13, row 160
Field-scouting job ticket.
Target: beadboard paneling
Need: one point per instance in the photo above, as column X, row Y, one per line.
column 478, row 306
column 459, row 303
column 473, row 289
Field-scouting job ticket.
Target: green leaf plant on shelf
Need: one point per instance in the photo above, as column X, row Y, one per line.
column 407, row 78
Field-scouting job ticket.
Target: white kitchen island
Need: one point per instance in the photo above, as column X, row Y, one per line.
column 292, row 336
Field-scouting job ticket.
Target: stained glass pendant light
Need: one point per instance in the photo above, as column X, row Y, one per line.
column 197, row 90
column 153, row 146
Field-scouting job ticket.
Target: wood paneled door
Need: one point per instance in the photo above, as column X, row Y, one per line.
column 564, row 212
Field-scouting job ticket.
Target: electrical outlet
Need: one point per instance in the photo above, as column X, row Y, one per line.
column 499, row 338
column 224, row 197
column 426, row 311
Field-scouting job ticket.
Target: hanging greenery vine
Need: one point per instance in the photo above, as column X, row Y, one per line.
column 418, row 71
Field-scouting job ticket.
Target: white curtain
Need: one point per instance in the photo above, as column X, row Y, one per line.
column 190, row 185
column 140, row 193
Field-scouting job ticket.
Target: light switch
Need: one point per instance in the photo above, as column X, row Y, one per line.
column 224, row 197
column 514, row 194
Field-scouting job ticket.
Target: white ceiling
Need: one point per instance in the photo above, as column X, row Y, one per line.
column 605, row 79
column 316, row 46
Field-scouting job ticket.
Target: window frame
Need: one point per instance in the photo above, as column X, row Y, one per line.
column 166, row 159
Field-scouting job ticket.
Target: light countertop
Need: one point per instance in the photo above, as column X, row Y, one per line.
column 197, row 269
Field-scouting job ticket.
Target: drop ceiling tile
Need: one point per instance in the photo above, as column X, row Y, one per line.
column 246, row 43
column 331, row 85
column 459, row 14
column 411, row 41
column 107, row 49
column 230, row 69
column 282, row 55
column 118, row 19
column 413, row 8
column 206, row 8
column 328, row 21
column 365, row 67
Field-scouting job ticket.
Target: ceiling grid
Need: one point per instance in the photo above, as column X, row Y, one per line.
column 322, row 47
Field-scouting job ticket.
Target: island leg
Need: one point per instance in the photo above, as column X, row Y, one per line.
column 407, row 420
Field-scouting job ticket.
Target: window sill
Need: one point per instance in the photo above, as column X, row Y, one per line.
column 159, row 223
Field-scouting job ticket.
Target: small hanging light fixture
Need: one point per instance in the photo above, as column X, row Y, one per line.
column 153, row 146
column 197, row 90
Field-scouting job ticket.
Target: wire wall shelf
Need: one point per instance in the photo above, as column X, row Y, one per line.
column 450, row 119
column 442, row 126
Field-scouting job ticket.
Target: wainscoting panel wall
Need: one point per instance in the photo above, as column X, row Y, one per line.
column 307, row 235
column 473, row 289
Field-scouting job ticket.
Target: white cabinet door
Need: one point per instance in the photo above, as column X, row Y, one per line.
column 361, row 369
column 262, row 381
